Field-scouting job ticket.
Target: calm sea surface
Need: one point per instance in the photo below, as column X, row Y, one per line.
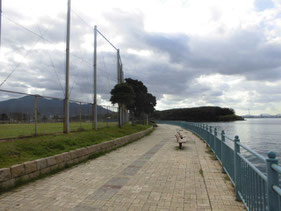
column 261, row 135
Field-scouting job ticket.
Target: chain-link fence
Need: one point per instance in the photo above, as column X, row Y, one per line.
column 33, row 75
column 28, row 115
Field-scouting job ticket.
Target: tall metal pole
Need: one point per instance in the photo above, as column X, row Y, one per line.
column 121, row 73
column 121, row 81
column 66, row 100
column 95, row 81
column 0, row 22
column 118, row 82
column 118, row 66
column 123, row 120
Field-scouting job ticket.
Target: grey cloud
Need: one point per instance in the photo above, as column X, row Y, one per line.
column 160, row 77
column 18, row 36
column 245, row 52
column 176, row 59
column 131, row 27
column 45, row 67
column 175, row 45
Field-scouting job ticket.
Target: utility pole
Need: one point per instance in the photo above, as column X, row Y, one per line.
column 118, row 66
column 95, row 125
column 118, row 82
column 66, row 100
column 121, row 73
column 0, row 23
column 123, row 106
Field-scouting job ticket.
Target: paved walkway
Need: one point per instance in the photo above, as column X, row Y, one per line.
column 150, row 174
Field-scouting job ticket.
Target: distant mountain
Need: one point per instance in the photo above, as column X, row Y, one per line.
column 48, row 107
column 262, row 116
column 266, row 115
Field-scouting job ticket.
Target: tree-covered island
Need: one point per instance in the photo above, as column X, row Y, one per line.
column 198, row 114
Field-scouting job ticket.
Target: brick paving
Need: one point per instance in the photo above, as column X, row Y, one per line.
column 150, row 174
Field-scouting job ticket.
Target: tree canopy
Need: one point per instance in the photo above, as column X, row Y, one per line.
column 123, row 94
column 144, row 101
column 135, row 96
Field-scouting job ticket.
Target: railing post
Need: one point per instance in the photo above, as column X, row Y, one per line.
column 222, row 152
column 204, row 132
column 237, row 167
column 211, row 137
column 215, row 142
column 208, row 134
column 272, row 179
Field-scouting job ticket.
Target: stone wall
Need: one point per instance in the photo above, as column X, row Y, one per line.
column 32, row 169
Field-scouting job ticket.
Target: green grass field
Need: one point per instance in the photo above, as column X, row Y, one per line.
column 26, row 149
column 21, row 130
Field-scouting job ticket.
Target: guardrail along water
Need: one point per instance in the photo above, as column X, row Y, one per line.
column 256, row 189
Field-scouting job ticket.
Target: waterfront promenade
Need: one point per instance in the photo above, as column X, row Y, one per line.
column 150, row 174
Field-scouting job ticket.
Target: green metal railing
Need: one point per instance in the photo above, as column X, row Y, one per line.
column 257, row 190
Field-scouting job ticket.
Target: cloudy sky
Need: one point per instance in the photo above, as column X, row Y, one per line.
column 187, row 52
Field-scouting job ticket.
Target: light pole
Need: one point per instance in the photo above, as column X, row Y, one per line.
column 66, row 100
column 95, row 126
column 0, row 22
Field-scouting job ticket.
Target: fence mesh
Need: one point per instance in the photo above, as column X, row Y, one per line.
column 32, row 63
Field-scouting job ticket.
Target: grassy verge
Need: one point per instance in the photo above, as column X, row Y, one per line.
column 20, row 130
column 21, row 150
column 20, row 183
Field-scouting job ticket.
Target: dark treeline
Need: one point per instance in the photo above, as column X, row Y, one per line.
column 199, row 114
